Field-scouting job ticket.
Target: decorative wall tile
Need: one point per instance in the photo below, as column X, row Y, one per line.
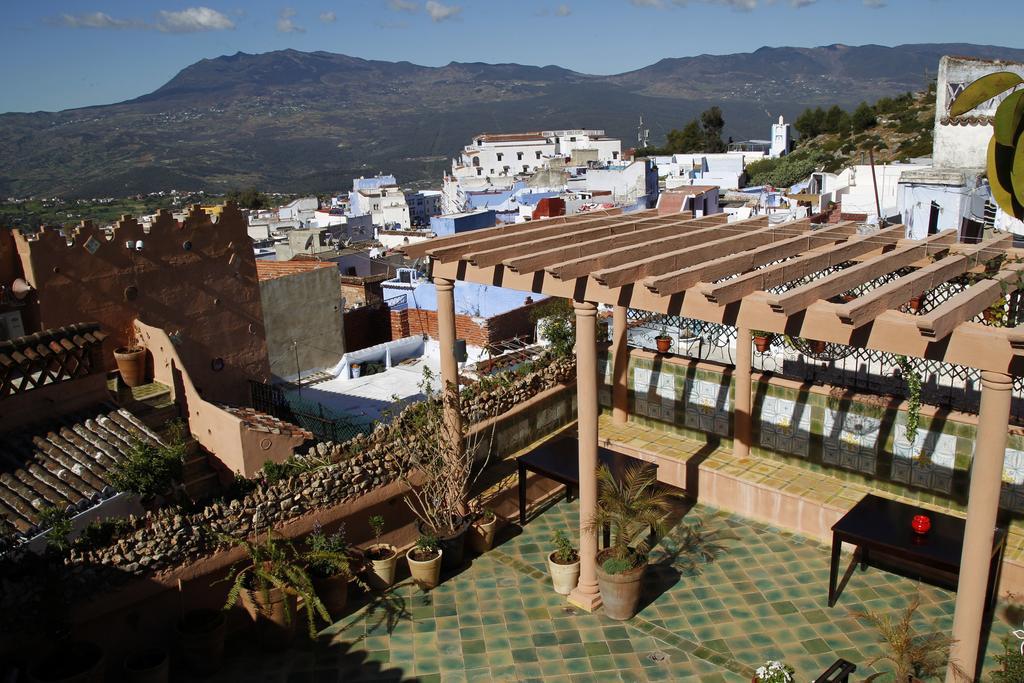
column 785, row 426
column 708, row 407
column 927, row 462
column 641, row 380
column 851, row 441
column 1011, row 496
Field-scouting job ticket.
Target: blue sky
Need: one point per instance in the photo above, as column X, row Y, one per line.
column 69, row 53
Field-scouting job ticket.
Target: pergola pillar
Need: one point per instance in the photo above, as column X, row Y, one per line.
column 742, row 402
column 449, row 366
column 620, row 366
column 982, row 510
column 586, row 595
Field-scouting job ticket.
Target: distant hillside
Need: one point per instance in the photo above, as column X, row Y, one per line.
column 296, row 121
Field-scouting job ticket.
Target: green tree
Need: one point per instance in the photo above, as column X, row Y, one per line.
column 863, row 118
column 712, row 123
column 250, row 198
column 810, row 123
column 689, row 139
column 834, row 119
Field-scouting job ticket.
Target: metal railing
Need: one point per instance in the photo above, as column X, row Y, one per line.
column 325, row 424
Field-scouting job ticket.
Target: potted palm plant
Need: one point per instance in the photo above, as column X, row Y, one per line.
column 332, row 565
column 425, row 562
column 269, row 584
column 563, row 564
column 382, row 557
column 663, row 340
column 131, row 358
column 630, row 505
column 762, row 340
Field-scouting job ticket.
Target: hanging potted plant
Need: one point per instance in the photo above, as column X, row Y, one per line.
column 483, row 530
column 201, row 636
column 382, row 557
column 425, row 562
column 131, row 358
column 332, row 565
column 762, row 340
column 995, row 314
column 916, row 303
column 663, row 340
column 631, row 506
column 563, row 563
column 269, row 585
column 448, row 463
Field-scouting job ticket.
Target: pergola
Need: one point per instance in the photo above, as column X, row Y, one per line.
column 786, row 279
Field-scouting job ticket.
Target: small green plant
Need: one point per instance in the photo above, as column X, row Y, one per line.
column 923, row 655
column 329, row 554
column 274, row 472
column 559, row 325
column 913, row 380
column 1011, row 663
column 57, row 523
column 274, row 564
column 426, row 548
column 617, row 565
column 377, row 525
column 148, row 470
column 565, row 553
column 664, row 333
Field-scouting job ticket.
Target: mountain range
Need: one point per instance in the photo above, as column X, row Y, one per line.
column 296, row 121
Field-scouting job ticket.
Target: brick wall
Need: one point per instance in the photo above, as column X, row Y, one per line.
column 515, row 323
column 367, row 326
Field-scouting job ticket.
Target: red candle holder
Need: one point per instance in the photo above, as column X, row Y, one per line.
column 921, row 524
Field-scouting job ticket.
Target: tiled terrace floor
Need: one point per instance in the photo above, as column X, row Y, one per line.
column 735, row 594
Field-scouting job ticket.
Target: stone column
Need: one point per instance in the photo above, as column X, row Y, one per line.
column 620, row 367
column 742, row 402
column 586, row 595
column 449, row 366
column 982, row 509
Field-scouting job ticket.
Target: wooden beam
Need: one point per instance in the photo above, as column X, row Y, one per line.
column 715, row 269
column 523, row 232
column 539, row 260
column 493, row 256
column 421, row 248
column 799, row 298
column 965, row 305
column 654, row 260
column 893, row 294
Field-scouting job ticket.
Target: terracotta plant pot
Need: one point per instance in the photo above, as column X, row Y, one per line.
column 147, row 666
column 131, row 363
column 817, row 346
column 762, row 344
column 381, row 572
column 482, row 533
column 564, row 577
column 916, row 302
column 426, row 573
column 78, row 662
column 201, row 635
column 664, row 344
column 274, row 630
column 333, row 592
column 620, row 593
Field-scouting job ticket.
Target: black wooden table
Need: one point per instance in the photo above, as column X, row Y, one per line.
column 559, row 460
column 883, row 525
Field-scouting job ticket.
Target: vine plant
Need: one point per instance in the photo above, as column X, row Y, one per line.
column 913, row 380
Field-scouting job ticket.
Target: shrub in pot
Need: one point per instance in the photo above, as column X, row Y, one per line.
column 201, row 636
column 131, row 358
column 631, row 506
column 563, row 564
column 483, row 530
column 332, row 565
column 382, row 558
column 147, row 666
column 425, row 562
column 762, row 340
column 663, row 341
column 269, row 584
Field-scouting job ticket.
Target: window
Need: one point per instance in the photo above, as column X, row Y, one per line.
column 479, row 171
column 526, row 169
column 519, row 156
column 572, row 139
column 505, row 170
column 538, row 154
column 500, row 155
column 615, row 155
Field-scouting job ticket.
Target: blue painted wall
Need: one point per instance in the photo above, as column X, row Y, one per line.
column 449, row 225
column 482, row 301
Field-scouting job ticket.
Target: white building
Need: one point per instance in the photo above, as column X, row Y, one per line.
column 423, row 205
column 301, row 209
column 782, row 139
column 385, row 204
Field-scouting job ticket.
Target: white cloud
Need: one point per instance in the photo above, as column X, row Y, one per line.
column 95, row 20
column 647, row 3
column 403, row 5
column 193, row 19
column 285, row 23
column 563, row 11
column 441, row 12
column 328, row 17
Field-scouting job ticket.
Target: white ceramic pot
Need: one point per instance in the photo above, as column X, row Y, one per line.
column 426, row 573
column 381, row 573
column 563, row 576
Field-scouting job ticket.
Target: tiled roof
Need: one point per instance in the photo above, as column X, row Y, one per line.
column 263, row 422
column 46, row 357
column 64, row 464
column 271, row 270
